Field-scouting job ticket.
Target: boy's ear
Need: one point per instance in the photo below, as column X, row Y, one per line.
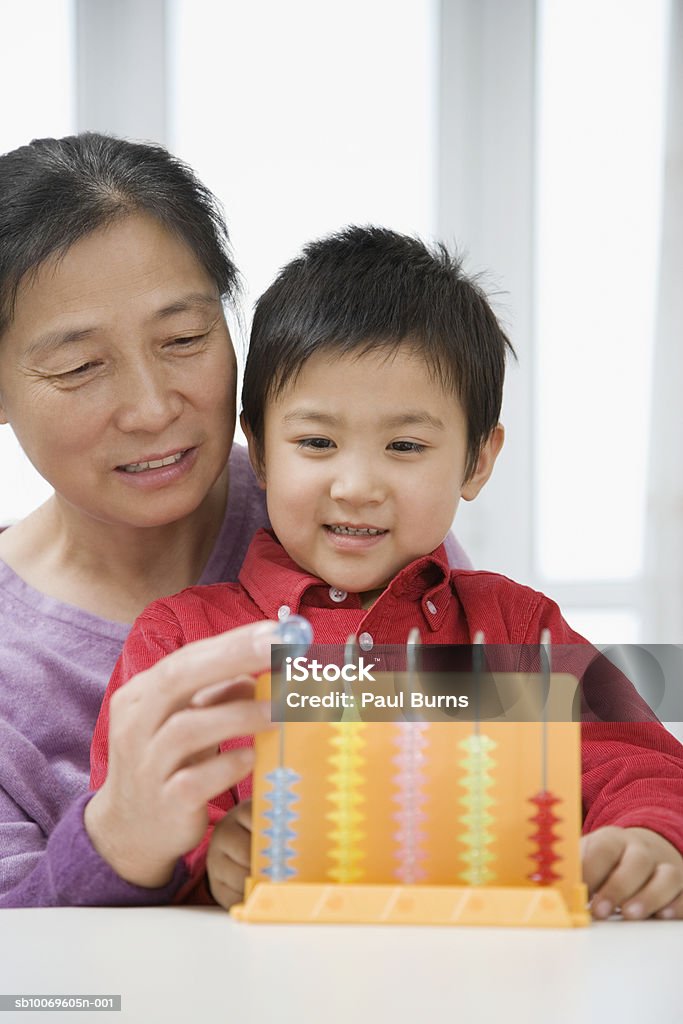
column 255, row 456
column 490, row 451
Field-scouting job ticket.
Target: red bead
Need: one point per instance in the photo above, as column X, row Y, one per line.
column 544, row 838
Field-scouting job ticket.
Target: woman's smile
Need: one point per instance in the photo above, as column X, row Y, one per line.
column 156, row 473
column 153, row 462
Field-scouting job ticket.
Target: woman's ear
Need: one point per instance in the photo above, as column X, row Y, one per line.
column 255, row 453
column 490, row 451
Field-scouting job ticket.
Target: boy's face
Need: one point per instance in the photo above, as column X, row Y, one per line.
column 364, row 461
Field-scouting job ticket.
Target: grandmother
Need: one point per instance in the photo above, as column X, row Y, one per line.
column 118, row 376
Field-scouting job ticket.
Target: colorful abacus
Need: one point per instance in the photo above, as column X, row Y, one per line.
column 390, row 818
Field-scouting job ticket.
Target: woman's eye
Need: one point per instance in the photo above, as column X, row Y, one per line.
column 188, row 341
column 407, row 446
column 317, row 444
column 80, row 371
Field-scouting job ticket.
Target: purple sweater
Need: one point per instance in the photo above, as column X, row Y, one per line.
column 55, row 663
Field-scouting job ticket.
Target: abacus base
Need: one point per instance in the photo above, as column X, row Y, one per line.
column 323, row 903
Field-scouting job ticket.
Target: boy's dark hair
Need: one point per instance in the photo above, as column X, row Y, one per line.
column 369, row 288
column 54, row 192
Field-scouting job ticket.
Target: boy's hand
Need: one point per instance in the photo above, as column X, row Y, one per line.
column 229, row 854
column 635, row 869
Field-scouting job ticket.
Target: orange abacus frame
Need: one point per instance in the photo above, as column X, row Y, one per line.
column 510, row 899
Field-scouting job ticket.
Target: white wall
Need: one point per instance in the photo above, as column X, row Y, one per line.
column 434, row 117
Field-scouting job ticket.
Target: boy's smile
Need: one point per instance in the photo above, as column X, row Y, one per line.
column 364, row 459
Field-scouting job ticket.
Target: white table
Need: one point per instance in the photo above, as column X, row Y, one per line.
column 191, row 964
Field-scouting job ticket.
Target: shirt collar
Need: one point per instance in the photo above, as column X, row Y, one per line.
column 273, row 580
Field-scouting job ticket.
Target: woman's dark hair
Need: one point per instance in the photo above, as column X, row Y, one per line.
column 365, row 289
column 53, row 192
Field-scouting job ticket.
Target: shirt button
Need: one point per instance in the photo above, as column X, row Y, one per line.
column 431, row 607
column 365, row 641
column 283, row 612
column 338, row 595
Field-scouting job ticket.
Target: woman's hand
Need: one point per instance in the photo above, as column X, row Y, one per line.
column 164, row 763
column 635, row 869
column 229, row 855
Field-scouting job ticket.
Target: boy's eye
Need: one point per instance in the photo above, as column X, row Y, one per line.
column 317, row 444
column 406, row 446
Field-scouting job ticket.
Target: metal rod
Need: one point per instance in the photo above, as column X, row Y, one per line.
column 545, row 656
column 478, row 666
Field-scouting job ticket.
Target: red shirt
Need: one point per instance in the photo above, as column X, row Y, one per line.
column 632, row 772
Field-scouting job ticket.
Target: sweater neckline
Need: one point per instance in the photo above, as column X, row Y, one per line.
column 80, row 618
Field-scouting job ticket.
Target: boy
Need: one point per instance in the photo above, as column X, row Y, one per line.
column 371, row 400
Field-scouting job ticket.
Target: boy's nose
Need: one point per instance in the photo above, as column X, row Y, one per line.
column 358, row 486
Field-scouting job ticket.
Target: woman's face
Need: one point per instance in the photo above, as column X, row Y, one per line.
column 118, row 359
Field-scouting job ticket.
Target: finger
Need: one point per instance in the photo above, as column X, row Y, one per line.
column 225, row 895
column 672, row 912
column 202, row 755
column 664, row 887
column 152, row 696
column 233, row 689
column 231, row 843
column 600, row 853
column 188, row 732
column 231, row 836
column 242, row 814
column 633, row 871
column 192, row 788
column 232, row 875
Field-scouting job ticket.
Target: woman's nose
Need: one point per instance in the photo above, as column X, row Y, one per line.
column 148, row 403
